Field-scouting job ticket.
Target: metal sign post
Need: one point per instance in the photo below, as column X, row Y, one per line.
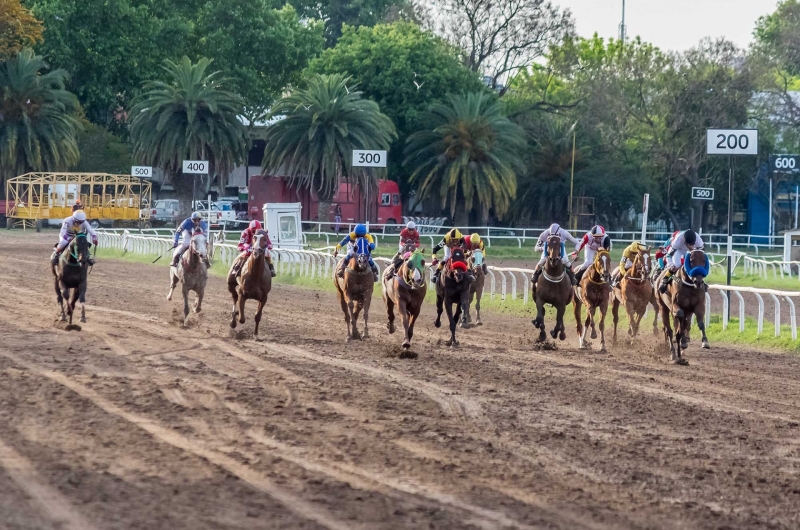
column 195, row 167
column 645, row 211
column 731, row 142
column 368, row 158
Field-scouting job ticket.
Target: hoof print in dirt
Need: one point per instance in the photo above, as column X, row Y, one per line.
column 544, row 345
column 408, row 354
column 72, row 327
column 681, row 362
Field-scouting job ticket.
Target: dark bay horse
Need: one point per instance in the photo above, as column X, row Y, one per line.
column 406, row 290
column 635, row 291
column 71, row 276
column 593, row 292
column 354, row 291
column 685, row 296
column 192, row 273
column 452, row 289
column 253, row 282
column 554, row 288
column 475, row 263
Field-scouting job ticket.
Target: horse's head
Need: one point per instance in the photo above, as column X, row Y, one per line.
column 259, row 243
column 476, row 261
column 553, row 250
column 415, row 266
column 408, row 247
column 602, row 265
column 642, row 262
column 199, row 244
column 458, row 270
column 81, row 248
column 696, row 266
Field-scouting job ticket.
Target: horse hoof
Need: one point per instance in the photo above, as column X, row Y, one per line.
column 594, row 334
column 603, row 349
column 390, row 327
column 681, row 362
column 684, row 345
column 706, row 346
column 554, row 333
column 233, row 324
column 478, row 323
column 562, row 336
column 349, row 339
column 406, row 345
column 437, row 324
column 83, row 319
column 63, row 319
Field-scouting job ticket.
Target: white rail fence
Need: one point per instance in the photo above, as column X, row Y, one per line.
column 504, row 282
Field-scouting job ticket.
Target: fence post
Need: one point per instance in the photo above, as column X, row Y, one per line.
column 777, row 314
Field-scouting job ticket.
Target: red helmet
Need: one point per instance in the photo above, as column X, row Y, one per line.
column 597, row 231
column 255, row 225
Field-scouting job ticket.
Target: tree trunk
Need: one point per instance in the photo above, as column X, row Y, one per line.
column 461, row 215
column 183, row 190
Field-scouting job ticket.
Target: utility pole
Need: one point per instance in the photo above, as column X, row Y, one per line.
column 622, row 29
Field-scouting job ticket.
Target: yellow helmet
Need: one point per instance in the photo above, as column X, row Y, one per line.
column 475, row 238
column 455, row 234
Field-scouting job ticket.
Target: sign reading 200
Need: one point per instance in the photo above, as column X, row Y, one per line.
column 731, row 141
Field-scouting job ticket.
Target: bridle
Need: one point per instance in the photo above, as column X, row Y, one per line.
column 640, row 263
column 80, row 259
column 600, row 268
column 694, row 283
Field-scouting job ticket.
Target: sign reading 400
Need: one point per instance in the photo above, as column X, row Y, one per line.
column 195, row 167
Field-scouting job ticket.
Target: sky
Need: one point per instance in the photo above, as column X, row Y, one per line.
column 671, row 24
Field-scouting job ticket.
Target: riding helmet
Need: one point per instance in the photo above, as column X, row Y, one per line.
column 361, row 230
column 597, row 231
column 455, row 234
column 196, row 215
column 690, row 237
column 411, row 225
column 255, row 224
column 79, row 216
column 554, row 228
column 475, row 239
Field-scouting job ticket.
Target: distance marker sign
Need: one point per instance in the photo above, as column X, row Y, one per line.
column 703, row 194
column 369, row 158
column 784, row 163
column 195, row 167
column 143, row 172
column 731, row 142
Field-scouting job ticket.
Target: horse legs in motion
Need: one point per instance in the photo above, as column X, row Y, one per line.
column 558, row 331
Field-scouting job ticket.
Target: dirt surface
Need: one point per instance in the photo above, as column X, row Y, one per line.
column 136, row 423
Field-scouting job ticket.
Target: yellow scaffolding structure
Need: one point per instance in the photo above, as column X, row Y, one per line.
column 36, row 196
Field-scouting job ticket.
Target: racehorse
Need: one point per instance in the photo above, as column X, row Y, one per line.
column 685, row 296
column 635, row 291
column 475, row 263
column 70, row 275
column 192, row 273
column 355, row 293
column 554, row 288
column 452, row 289
column 592, row 291
column 253, row 282
column 406, row 290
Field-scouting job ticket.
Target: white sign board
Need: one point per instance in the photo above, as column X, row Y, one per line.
column 195, row 167
column 703, row 194
column 731, row 142
column 143, row 172
column 366, row 158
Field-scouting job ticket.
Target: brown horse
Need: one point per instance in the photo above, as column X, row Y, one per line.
column 475, row 263
column 354, row 291
column 253, row 282
column 635, row 291
column 452, row 289
column 554, row 288
column 406, row 290
column 592, row 291
column 685, row 296
column 71, row 277
column 192, row 273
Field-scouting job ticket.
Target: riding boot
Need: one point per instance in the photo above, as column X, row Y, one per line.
column 90, row 261
column 207, row 263
column 175, row 259
column 55, row 257
column 536, row 274
column 435, row 278
column 471, row 276
column 272, row 270
column 571, row 276
column 375, row 273
column 485, row 269
column 342, row 267
column 664, row 283
column 579, row 275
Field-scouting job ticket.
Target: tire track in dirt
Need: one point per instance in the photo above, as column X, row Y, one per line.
column 56, row 507
column 168, row 436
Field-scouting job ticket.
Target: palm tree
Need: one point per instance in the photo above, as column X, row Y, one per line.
column 321, row 126
column 191, row 116
column 37, row 118
column 468, row 153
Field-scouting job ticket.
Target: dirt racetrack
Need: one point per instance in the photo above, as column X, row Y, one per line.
column 135, row 423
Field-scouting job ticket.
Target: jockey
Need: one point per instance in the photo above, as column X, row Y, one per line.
column 77, row 206
column 662, row 251
column 72, row 226
column 555, row 230
column 594, row 240
column 474, row 243
column 358, row 240
column 681, row 245
column 627, row 261
column 186, row 229
column 409, row 234
column 246, row 247
column 452, row 239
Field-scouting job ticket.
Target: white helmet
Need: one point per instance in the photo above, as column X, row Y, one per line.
column 411, row 225
column 554, row 228
column 79, row 216
column 197, row 215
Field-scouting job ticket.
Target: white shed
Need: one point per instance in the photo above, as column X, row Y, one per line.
column 282, row 219
column 791, row 245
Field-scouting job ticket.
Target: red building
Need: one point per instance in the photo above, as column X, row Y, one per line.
column 385, row 207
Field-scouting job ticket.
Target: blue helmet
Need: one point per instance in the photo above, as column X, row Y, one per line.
column 361, row 230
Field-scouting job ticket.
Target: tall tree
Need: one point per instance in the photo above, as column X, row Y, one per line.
column 403, row 69
column 190, row 116
column 37, row 118
column 264, row 50
column 467, row 155
column 18, row 28
column 500, row 37
column 320, row 127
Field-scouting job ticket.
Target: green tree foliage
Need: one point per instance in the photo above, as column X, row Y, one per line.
column 320, row 127
column 403, row 69
column 467, row 155
column 262, row 49
column 102, row 151
column 338, row 13
column 18, row 28
column 37, row 118
column 190, row 116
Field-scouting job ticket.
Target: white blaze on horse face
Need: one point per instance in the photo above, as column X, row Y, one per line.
column 199, row 244
column 416, row 276
column 605, row 263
